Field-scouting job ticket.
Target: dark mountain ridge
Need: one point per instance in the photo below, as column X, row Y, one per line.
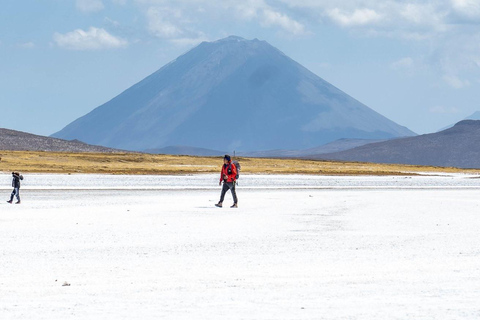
column 458, row 146
column 21, row 141
column 473, row 116
column 335, row 146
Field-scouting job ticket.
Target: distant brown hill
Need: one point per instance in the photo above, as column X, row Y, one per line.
column 22, row 141
column 458, row 146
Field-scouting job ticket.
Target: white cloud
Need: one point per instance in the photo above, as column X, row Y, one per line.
column 397, row 18
column 27, row 45
column 190, row 41
column 467, row 8
column 111, row 22
column 403, row 64
column 274, row 18
column 160, row 24
column 93, row 39
column 424, row 17
column 89, row 5
column 171, row 24
column 246, row 9
column 444, row 110
column 414, row 13
column 266, row 15
column 172, row 20
column 456, row 57
column 456, row 82
column 359, row 17
column 442, row 28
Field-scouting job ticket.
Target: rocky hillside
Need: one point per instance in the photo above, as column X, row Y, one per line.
column 458, row 146
column 21, row 141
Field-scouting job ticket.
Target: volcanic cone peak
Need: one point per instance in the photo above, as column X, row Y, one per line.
column 231, row 94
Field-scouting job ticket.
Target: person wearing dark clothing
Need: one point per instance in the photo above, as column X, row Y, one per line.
column 228, row 177
column 16, row 187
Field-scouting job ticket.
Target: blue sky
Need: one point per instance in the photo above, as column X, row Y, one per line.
column 415, row 62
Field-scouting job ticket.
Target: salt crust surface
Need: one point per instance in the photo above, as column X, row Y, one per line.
column 298, row 247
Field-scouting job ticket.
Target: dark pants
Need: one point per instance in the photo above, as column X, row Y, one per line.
column 16, row 191
column 228, row 186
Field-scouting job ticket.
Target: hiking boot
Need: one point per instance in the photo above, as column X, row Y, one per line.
column 234, row 205
column 9, row 201
column 18, row 202
column 218, row 204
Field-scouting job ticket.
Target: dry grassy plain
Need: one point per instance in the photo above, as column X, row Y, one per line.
column 137, row 163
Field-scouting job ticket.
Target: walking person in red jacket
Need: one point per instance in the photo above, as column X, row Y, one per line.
column 228, row 176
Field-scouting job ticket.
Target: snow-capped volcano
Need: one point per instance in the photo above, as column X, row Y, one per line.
column 230, row 94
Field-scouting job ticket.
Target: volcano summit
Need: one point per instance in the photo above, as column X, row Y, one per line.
column 230, row 94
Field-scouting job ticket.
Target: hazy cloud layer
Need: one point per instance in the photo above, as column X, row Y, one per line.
column 93, row 39
column 404, row 19
column 173, row 19
column 434, row 24
column 413, row 20
column 89, row 5
column 358, row 17
column 26, row 45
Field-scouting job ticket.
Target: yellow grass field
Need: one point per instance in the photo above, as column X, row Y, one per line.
column 139, row 163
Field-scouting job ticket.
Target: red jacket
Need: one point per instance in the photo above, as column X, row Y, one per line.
column 232, row 175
